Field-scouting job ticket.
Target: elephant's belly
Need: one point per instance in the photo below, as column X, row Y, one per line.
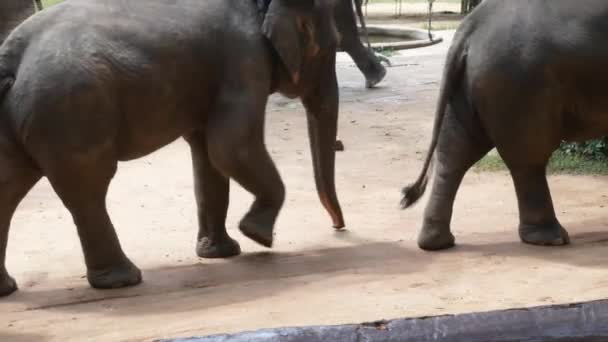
column 142, row 137
column 136, row 147
column 581, row 127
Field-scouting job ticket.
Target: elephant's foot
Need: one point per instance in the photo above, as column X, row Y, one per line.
column 122, row 275
column 218, row 248
column 434, row 238
column 8, row 285
column 372, row 79
column 258, row 225
column 552, row 234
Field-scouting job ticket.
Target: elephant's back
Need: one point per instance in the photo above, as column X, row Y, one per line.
column 131, row 42
column 521, row 36
column 132, row 63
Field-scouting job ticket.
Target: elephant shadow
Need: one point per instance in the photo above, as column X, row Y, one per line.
column 253, row 276
column 245, row 278
column 21, row 337
column 587, row 248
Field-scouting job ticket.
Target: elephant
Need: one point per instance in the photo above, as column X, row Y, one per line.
column 12, row 13
column 366, row 60
column 520, row 76
column 76, row 97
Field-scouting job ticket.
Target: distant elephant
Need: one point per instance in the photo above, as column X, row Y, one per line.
column 12, row 13
column 78, row 96
column 345, row 16
column 521, row 76
column 365, row 59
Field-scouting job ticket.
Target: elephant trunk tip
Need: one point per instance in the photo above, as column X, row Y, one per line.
column 339, row 224
column 413, row 192
column 334, row 210
column 337, row 219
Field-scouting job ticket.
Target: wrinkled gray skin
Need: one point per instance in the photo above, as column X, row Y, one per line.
column 521, row 75
column 78, row 96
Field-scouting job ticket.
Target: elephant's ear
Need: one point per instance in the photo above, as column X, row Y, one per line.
column 281, row 28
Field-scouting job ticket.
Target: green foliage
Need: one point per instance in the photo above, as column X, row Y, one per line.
column 590, row 157
column 386, row 51
column 47, row 3
column 596, row 149
column 441, row 25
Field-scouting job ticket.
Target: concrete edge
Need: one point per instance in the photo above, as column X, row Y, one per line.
column 585, row 321
column 413, row 38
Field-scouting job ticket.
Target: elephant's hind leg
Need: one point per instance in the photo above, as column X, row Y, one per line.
column 17, row 177
column 526, row 135
column 212, row 191
column 458, row 148
column 538, row 223
column 82, row 184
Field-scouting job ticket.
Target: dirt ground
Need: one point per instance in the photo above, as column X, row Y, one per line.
column 314, row 275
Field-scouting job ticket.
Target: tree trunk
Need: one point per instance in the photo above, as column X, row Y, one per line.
column 467, row 6
column 473, row 4
column 12, row 13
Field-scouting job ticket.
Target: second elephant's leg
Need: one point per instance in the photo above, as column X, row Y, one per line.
column 212, row 196
column 457, row 150
column 367, row 62
column 538, row 223
column 350, row 42
column 82, row 185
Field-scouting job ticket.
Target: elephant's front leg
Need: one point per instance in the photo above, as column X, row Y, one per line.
column 211, row 189
column 235, row 142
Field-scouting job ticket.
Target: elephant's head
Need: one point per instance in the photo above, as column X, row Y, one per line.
column 302, row 32
column 304, row 38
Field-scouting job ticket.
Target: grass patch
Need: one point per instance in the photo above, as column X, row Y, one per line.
column 441, row 25
column 386, row 52
column 47, row 3
column 560, row 163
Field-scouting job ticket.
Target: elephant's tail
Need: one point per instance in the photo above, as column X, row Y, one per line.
column 452, row 74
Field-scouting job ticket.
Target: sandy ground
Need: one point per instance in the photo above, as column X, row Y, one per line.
column 314, row 276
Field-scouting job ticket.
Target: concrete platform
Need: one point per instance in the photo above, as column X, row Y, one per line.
column 580, row 322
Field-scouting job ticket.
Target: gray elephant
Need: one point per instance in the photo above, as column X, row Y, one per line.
column 350, row 40
column 366, row 60
column 521, row 76
column 78, row 96
column 12, row 13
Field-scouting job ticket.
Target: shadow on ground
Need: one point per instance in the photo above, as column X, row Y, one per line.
column 290, row 267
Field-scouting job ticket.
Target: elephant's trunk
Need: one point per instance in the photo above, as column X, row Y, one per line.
column 322, row 113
